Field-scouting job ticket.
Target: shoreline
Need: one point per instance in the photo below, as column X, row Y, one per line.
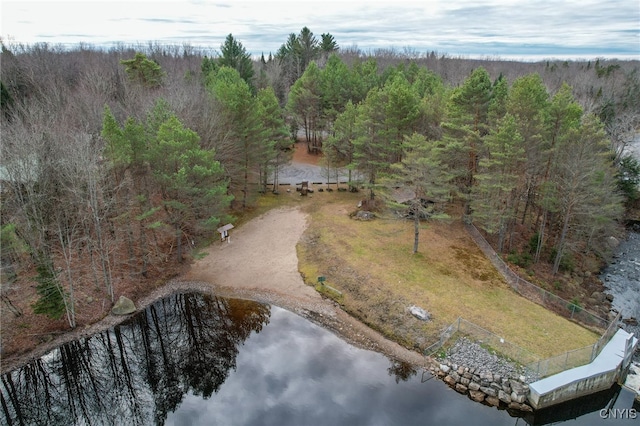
column 327, row 314
column 273, row 280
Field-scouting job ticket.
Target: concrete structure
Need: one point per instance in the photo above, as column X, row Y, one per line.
column 609, row 367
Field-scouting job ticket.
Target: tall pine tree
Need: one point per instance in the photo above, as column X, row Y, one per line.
column 499, row 175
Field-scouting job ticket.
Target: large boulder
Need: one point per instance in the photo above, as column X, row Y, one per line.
column 598, row 296
column 492, row 400
column 489, row 391
column 420, row 313
column 450, row 381
column 461, row 388
column 517, row 387
column 486, row 378
column 124, row 306
column 474, row 386
column 520, row 407
column 516, row 397
column 477, row 395
column 504, row 397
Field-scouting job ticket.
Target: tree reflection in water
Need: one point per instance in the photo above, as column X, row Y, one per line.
column 403, row 371
column 139, row 370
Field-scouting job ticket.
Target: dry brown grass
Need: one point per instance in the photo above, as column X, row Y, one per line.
column 372, row 264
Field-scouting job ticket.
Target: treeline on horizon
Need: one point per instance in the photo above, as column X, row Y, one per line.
column 117, row 163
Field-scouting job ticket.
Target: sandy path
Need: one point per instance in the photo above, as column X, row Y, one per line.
column 261, row 263
column 261, row 255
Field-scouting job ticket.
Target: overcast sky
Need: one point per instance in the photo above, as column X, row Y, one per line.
column 521, row 29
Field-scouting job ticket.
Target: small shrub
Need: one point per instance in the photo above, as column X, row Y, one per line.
column 567, row 264
column 533, row 243
column 575, row 305
column 557, row 285
column 441, row 354
column 51, row 300
column 200, row 255
column 523, row 259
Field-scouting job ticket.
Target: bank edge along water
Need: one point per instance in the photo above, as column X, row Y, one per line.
column 622, row 276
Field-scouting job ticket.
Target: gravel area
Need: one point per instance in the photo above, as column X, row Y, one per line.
column 295, row 173
column 470, row 354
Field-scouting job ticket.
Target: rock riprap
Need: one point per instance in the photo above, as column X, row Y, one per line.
column 471, row 354
column 485, row 377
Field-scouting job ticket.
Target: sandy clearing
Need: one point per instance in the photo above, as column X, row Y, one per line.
column 261, row 255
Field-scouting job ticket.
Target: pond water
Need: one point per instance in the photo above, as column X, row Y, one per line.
column 194, row 359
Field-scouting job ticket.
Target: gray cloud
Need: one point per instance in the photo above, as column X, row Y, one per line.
column 169, row 21
column 322, row 381
column 584, row 28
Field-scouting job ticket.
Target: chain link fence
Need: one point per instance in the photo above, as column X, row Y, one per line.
column 445, row 335
column 545, row 367
column 533, row 292
column 562, row 362
column 532, row 362
column 485, row 338
column 576, row 357
column 496, row 343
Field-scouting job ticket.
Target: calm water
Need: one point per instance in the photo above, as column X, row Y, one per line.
column 193, row 359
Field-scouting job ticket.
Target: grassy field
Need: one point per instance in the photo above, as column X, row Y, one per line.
column 372, row 265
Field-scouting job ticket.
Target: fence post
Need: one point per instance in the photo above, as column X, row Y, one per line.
column 573, row 309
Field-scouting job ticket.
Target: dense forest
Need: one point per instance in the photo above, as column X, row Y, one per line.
column 117, row 162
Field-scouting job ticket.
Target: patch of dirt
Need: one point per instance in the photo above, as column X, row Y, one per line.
column 477, row 267
column 301, row 154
